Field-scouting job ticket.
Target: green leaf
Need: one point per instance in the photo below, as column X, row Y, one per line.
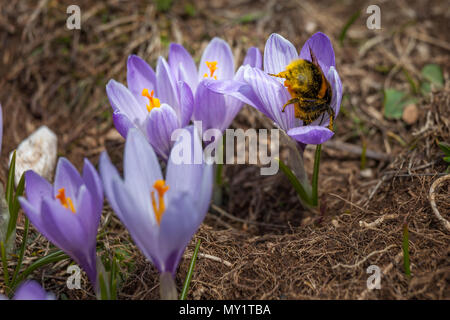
column 163, row 5
column 433, row 73
column 14, row 209
column 10, row 183
column 347, row 25
column 53, row 257
column 187, row 281
column 394, row 102
column 301, row 191
column 445, row 147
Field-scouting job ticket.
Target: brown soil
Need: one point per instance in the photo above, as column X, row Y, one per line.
column 267, row 245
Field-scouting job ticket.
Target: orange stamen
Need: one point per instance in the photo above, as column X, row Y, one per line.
column 66, row 202
column 153, row 101
column 212, row 66
column 160, row 187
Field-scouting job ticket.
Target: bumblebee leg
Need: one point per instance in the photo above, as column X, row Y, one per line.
column 291, row 101
column 330, row 112
column 321, row 119
column 278, row 75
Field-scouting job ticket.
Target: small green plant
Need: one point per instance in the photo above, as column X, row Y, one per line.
column 445, row 147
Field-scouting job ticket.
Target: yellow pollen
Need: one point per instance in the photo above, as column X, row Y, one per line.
column 153, row 101
column 161, row 188
column 66, row 202
column 212, row 66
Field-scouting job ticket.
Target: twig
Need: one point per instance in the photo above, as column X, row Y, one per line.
column 444, row 221
column 351, row 203
column 357, row 264
column 364, row 224
column 354, row 149
column 210, row 257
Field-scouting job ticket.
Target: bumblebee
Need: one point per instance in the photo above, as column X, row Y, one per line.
column 309, row 88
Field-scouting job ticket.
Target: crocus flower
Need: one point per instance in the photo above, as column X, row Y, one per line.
column 30, row 290
column 67, row 213
column 213, row 109
column 268, row 94
column 155, row 103
column 161, row 214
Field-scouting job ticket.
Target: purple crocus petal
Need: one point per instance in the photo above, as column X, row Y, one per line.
column 140, row 222
column 108, row 173
column 166, row 86
column 272, row 95
column 141, row 168
column 193, row 178
column 178, row 225
column 137, row 217
column 89, row 217
column 321, row 45
column 94, row 185
column 123, row 100
column 217, row 50
column 161, row 123
column 65, row 230
column 180, row 59
column 238, row 89
column 278, row 53
column 88, row 212
column 31, row 290
column 139, row 76
column 122, row 123
column 67, row 177
column 32, row 212
column 36, row 188
column 336, row 85
column 311, row 134
column 253, row 58
column 186, row 103
column 210, row 107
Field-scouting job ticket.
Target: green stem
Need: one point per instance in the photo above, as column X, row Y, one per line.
column 21, row 252
column 315, row 177
column 5, row 265
column 103, row 288
column 187, row 281
column 406, row 262
column 167, row 287
column 301, row 190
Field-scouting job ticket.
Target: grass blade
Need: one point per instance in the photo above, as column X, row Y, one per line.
column 5, row 264
column 348, row 25
column 187, row 281
column 406, row 263
column 10, row 183
column 50, row 258
column 21, row 252
column 295, row 183
column 14, row 208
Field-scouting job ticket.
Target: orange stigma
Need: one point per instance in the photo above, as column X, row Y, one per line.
column 161, row 188
column 153, row 101
column 66, row 202
column 212, row 66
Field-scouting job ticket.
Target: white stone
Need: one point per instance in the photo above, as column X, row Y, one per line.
column 38, row 152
